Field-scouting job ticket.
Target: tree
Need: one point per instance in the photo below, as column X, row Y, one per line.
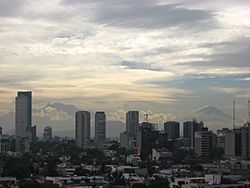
column 159, row 182
column 19, row 168
column 217, row 153
column 139, row 185
column 185, row 156
column 115, row 146
column 196, row 167
column 117, row 178
column 28, row 184
column 51, row 168
column 82, row 172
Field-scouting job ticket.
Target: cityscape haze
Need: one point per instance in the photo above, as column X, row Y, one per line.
column 124, row 94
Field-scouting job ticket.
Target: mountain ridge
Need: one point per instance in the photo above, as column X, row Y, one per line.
column 61, row 118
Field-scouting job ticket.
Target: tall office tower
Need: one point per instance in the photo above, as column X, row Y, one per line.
column 204, row 143
column 189, row 129
column 32, row 134
column 124, row 142
column 221, row 137
column 149, row 137
column 173, row 129
column 4, row 143
column 82, row 129
column 245, row 141
column 47, row 133
column 233, row 146
column 100, row 127
column 132, row 124
column 23, row 117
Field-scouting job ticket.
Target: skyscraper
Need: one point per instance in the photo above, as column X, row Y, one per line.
column 173, row 129
column 233, row 146
column 203, row 143
column 149, row 137
column 23, row 117
column 132, row 124
column 100, row 127
column 82, row 129
column 47, row 133
column 245, row 141
column 189, row 129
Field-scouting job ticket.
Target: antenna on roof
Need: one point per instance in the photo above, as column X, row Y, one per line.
column 248, row 110
column 234, row 114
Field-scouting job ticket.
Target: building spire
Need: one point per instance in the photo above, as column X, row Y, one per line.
column 248, row 110
column 234, row 114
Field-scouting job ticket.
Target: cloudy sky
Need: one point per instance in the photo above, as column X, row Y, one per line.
column 167, row 56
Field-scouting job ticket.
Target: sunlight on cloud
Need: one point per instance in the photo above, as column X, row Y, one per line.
column 68, row 50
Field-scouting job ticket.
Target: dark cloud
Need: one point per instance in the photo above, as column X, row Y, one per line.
column 145, row 14
column 227, row 54
column 139, row 65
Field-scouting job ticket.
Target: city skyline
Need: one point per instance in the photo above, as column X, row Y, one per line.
column 125, row 93
column 168, row 57
column 61, row 117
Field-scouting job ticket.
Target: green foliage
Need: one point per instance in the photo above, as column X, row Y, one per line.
column 217, row 153
column 83, row 172
column 93, row 154
column 20, row 168
column 44, row 147
column 159, row 182
column 28, row 184
column 139, row 185
column 51, row 168
column 184, row 156
column 117, row 178
column 150, row 166
column 115, row 146
column 196, row 167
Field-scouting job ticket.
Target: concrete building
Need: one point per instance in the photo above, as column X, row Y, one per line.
column 163, row 155
column 32, row 134
column 124, row 140
column 245, row 141
column 233, row 146
column 204, row 143
column 221, row 137
column 23, row 118
column 132, row 124
column 4, row 143
column 149, row 137
column 189, row 129
column 211, row 181
column 173, row 129
column 82, row 129
column 47, row 133
column 100, row 127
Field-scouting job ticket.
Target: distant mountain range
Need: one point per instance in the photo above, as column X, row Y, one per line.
column 212, row 111
column 212, row 117
column 61, row 118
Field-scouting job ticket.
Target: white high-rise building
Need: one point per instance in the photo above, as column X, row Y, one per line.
column 82, row 129
column 100, row 127
column 23, row 118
